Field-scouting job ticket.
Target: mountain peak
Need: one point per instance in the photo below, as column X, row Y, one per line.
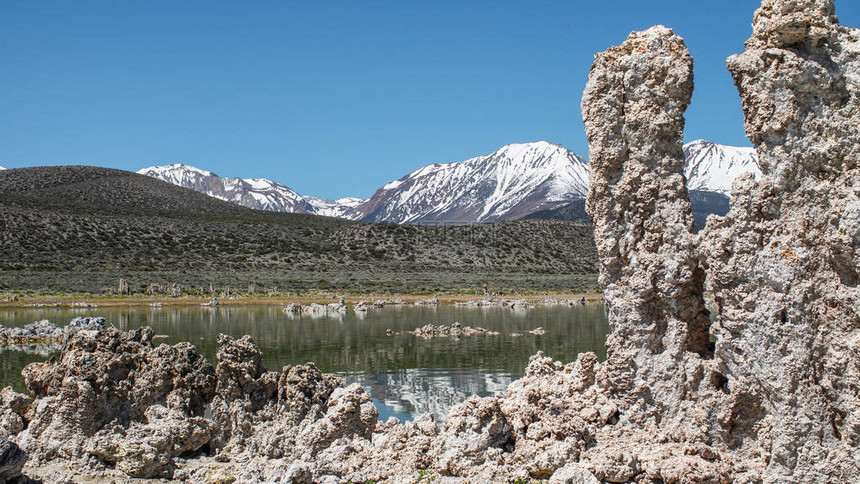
column 540, row 145
column 524, row 151
column 509, row 183
column 175, row 167
column 700, row 142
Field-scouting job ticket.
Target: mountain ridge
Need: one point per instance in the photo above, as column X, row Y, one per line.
column 509, row 183
column 514, row 182
column 257, row 193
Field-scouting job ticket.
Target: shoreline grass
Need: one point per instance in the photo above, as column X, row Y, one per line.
column 68, row 300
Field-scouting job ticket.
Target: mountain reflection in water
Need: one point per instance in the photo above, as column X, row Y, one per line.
column 406, row 394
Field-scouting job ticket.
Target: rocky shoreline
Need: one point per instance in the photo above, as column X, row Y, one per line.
column 113, row 405
column 45, row 332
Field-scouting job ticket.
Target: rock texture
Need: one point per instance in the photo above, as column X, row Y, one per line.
column 783, row 264
column 293, row 415
column 455, row 330
column 13, row 408
column 780, row 389
column 633, row 108
column 45, row 333
column 113, row 399
column 12, row 460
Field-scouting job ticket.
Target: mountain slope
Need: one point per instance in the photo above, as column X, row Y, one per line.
column 574, row 211
column 712, row 167
column 702, row 202
column 508, row 184
column 706, row 203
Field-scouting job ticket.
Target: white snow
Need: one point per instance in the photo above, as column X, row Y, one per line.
column 712, row 167
column 350, row 201
column 260, row 197
column 392, row 185
column 2, row 168
column 260, row 183
column 176, row 169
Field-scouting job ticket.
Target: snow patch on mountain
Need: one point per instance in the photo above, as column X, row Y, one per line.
column 712, row 167
column 342, row 207
column 1, row 168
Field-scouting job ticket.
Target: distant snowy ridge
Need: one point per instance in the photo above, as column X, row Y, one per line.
column 2, row 168
column 511, row 183
column 258, row 193
column 712, row 167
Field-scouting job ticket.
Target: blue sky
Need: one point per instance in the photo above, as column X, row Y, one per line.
column 331, row 98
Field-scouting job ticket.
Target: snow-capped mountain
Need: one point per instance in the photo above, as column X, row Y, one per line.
column 712, row 167
column 508, row 184
column 1, row 168
column 516, row 181
column 258, row 193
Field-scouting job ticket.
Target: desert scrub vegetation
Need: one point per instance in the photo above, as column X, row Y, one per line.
column 82, row 228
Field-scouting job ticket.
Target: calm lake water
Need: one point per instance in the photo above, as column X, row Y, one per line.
column 405, row 374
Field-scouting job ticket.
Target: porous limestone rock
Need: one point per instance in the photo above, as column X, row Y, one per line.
column 13, row 407
column 293, row 415
column 114, row 398
column 783, row 264
column 45, row 332
column 42, row 331
column 573, row 473
column 261, row 412
column 657, row 354
column 302, row 425
column 539, row 424
column 12, row 459
column 455, row 330
column 244, row 388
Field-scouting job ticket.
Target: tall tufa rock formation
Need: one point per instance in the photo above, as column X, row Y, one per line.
column 783, row 264
column 781, row 389
column 633, row 108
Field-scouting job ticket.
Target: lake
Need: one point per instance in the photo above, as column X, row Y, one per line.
column 406, row 375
